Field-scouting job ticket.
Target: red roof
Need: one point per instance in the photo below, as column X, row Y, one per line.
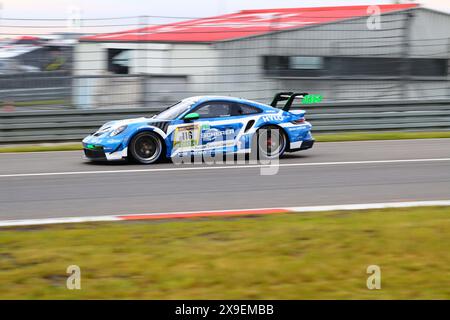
column 28, row 38
column 242, row 24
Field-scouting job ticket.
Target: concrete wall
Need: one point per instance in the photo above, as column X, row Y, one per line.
column 90, row 59
column 190, row 66
column 147, row 58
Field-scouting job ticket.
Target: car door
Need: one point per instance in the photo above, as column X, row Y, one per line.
column 219, row 127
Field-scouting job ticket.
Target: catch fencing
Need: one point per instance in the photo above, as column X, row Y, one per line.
column 60, row 79
column 113, row 63
column 73, row 125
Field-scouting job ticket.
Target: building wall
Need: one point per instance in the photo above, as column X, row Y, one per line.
column 428, row 24
column 89, row 59
column 236, row 67
column 147, row 58
column 242, row 74
column 158, row 72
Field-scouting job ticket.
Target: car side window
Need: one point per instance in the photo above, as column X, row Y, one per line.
column 243, row 109
column 214, row 109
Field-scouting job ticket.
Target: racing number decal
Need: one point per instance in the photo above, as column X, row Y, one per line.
column 186, row 136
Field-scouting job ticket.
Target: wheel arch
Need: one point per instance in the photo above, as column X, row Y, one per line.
column 288, row 141
column 146, row 129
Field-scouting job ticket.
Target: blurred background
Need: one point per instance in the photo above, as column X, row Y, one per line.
column 65, row 68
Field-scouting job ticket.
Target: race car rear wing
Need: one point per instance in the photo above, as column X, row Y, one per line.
column 289, row 97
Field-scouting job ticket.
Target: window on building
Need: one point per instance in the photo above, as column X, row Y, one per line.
column 307, row 66
column 305, row 63
column 119, row 61
column 275, row 63
column 429, row 67
column 301, row 66
column 364, row 66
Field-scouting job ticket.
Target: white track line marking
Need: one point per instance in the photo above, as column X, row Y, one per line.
column 249, row 166
column 366, row 206
column 34, row 222
column 121, row 217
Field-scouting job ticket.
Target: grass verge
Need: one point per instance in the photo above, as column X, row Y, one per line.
column 282, row 256
column 337, row 137
column 40, row 148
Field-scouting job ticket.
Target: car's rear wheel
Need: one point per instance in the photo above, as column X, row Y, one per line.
column 146, row 148
column 270, row 142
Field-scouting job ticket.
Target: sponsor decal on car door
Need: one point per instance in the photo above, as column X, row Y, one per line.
column 219, row 134
column 206, row 135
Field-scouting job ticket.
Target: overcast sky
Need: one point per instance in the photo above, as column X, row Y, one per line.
column 182, row 8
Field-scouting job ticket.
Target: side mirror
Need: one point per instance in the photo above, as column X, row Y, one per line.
column 191, row 116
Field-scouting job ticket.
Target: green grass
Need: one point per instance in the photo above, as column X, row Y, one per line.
column 40, row 148
column 281, row 256
column 39, row 103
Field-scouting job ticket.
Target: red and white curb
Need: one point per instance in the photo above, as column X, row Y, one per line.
column 221, row 213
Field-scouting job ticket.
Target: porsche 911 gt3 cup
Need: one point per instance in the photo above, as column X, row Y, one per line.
column 205, row 125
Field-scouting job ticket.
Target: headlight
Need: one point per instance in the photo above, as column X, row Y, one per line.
column 118, row 130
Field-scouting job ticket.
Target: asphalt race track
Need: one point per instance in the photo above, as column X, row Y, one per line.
column 61, row 184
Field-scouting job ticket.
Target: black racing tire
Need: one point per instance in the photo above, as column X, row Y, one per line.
column 278, row 140
column 146, row 148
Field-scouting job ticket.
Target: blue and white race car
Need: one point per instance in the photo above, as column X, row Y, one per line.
column 205, row 125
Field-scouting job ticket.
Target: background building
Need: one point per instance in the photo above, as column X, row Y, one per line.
column 343, row 53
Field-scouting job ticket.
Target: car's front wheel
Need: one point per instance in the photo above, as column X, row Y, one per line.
column 146, row 147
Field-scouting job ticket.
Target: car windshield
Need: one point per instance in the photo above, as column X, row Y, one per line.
column 175, row 110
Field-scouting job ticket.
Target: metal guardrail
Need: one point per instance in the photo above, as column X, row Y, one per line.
column 40, row 95
column 38, row 88
column 73, row 125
